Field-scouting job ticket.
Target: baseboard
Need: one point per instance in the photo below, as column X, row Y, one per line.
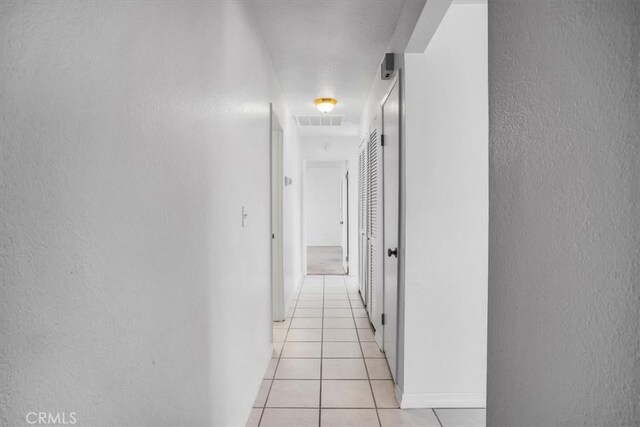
column 440, row 400
column 258, row 384
column 296, row 290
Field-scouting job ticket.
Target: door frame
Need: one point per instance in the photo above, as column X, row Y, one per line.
column 345, row 208
column 276, row 138
column 395, row 81
column 308, row 163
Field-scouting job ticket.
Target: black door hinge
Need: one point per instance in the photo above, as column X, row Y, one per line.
column 383, row 318
column 382, row 140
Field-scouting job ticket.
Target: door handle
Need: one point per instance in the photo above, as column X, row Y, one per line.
column 392, row 252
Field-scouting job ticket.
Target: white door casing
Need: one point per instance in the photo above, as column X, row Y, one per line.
column 391, row 210
column 362, row 221
column 344, row 218
column 375, row 258
column 277, row 197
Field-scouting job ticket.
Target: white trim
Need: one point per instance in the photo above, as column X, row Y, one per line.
column 440, row 400
column 261, row 377
column 292, row 302
column 428, row 22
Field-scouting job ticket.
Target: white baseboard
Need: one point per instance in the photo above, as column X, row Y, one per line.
column 440, row 400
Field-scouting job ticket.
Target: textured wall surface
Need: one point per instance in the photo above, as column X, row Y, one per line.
column 564, row 267
column 447, row 214
column 131, row 134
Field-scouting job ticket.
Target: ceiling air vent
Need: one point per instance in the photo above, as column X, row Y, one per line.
column 320, row 120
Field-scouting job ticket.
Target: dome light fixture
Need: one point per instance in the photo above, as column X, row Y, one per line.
column 325, row 105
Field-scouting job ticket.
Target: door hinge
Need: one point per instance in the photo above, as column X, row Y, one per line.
column 382, row 140
column 346, row 258
column 383, row 318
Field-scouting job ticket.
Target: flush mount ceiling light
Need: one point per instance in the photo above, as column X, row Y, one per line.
column 325, row 104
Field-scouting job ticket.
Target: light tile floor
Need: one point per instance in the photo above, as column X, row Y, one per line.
column 327, row 370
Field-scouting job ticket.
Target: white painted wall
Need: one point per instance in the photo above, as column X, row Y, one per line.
column 293, row 268
column 132, row 134
column 564, row 268
column 336, row 149
column 322, row 205
column 445, row 323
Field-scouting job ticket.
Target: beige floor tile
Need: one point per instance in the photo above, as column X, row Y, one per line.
column 337, row 304
column 361, row 322
column 384, row 393
column 271, row 369
column 343, row 369
column 294, row 394
column 337, row 312
column 311, row 297
column 349, row 418
column 335, row 290
column 263, row 392
column 378, row 369
column 366, row 334
column 359, row 312
column 311, row 303
column 336, row 297
column 304, row 335
column 301, row 349
column 357, row 304
column 298, row 369
column 276, row 417
column 282, row 325
column 338, row 323
column 355, row 296
column 339, row 335
column 408, row 418
column 308, row 312
column 335, row 285
column 279, row 334
column 346, row 394
column 462, row 417
column 306, row 323
column 370, row 350
column 341, row 349
column 254, row 417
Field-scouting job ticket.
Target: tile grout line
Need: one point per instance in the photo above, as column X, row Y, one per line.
column 437, row 417
column 364, row 360
column 295, row 307
column 324, row 280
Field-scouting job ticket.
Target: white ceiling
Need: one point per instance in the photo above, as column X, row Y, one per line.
column 327, row 48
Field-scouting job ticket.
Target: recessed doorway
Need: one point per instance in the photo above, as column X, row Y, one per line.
column 327, row 217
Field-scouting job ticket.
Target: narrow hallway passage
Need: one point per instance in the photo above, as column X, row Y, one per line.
column 326, row 369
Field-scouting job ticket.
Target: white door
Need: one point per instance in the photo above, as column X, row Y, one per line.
column 362, row 222
column 277, row 188
column 344, row 219
column 391, row 207
column 375, row 254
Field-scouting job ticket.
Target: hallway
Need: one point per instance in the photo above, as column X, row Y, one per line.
column 327, row 370
column 436, row 202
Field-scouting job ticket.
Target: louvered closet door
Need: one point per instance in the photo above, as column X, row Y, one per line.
column 374, row 226
column 362, row 220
